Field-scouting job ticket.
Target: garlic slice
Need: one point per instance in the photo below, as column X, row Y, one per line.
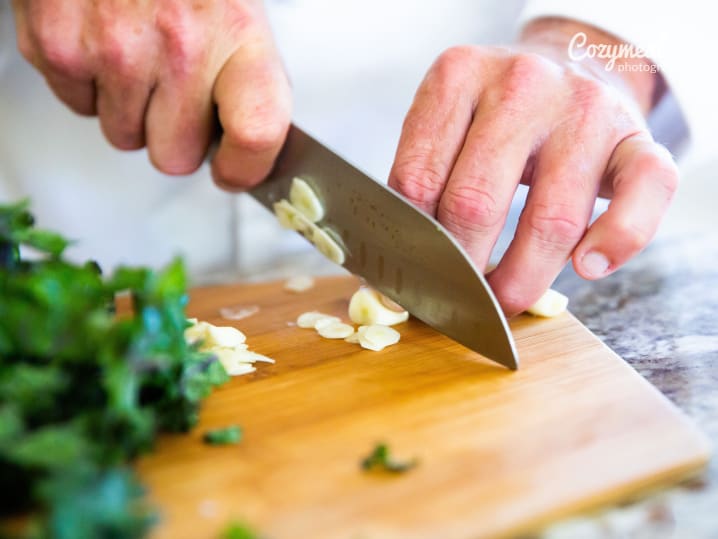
column 284, row 212
column 326, row 321
column 196, row 332
column 376, row 337
column 552, row 303
column 303, row 198
column 367, row 306
column 310, row 318
column 224, row 336
column 299, row 283
column 328, row 246
column 335, row 330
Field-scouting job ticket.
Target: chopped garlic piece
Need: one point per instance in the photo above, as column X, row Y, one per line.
column 299, row 283
column 377, row 337
column 328, row 246
column 238, row 312
column 326, row 321
column 238, row 369
column 303, row 198
column 552, row 303
column 335, row 330
column 367, row 306
column 250, row 357
column 308, row 319
column 353, row 338
column 196, row 333
column 285, row 212
column 224, row 336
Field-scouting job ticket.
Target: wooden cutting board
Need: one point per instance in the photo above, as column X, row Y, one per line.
column 500, row 452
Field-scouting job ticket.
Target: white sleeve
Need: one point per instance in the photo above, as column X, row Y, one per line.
column 680, row 37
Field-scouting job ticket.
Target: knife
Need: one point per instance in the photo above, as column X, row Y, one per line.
column 399, row 250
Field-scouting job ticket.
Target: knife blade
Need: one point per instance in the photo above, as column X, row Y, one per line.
column 399, row 250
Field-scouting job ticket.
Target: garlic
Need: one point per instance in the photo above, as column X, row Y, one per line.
column 552, row 303
column 367, row 306
column 327, row 245
column 335, row 330
column 303, row 198
column 299, row 283
column 284, row 212
column 227, row 343
column 377, row 337
column 310, row 319
column 224, row 336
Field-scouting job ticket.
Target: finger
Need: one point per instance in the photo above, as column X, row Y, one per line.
column 478, row 195
column 644, row 179
column 178, row 121
column 435, row 128
column 64, row 71
column 124, row 85
column 254, row 104
column 568, row 171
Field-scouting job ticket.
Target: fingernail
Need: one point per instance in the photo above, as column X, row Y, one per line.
column 595, row 264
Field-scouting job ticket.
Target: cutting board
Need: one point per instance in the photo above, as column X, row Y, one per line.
column 500, row 453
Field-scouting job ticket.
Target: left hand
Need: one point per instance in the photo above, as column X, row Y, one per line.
column 486, row 118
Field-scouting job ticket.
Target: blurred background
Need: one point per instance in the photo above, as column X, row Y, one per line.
column 354, row 67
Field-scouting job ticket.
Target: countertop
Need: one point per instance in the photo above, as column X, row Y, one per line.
column 660, row 313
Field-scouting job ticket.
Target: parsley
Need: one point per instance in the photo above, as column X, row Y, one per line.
column 237, row 530
column 82, row 392
column 380, row 458
column 225, row 436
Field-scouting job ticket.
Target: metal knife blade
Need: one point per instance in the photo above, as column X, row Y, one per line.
column 399, row 250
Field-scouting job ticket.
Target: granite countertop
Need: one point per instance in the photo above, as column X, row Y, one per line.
column 660, row 313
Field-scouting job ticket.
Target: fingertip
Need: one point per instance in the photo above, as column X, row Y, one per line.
column 592, row 264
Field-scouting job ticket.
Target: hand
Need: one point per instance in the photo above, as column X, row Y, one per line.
column 153, row 71
column 486, row 118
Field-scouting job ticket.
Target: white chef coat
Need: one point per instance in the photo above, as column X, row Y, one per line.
column 354, row 67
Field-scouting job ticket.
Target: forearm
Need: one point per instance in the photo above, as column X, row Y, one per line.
column 596, row 52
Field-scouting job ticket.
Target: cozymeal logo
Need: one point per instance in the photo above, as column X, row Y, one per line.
column 578, row 49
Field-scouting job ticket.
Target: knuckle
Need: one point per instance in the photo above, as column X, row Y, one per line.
column 453, row 66
column 60, row 55
column 590, row 96
column 632, row 237
column 554, row 226
column 471, row 206
column 524, row 73
column 417, row 179
column 262, row 133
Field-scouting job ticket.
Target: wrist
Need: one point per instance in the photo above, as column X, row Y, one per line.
column 602, row 54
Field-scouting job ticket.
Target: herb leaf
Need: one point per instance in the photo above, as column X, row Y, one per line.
column 380, row 458
column 224, row 436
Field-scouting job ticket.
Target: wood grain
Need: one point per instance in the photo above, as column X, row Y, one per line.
column 501, row 452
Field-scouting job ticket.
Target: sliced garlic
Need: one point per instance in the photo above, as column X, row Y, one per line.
column 328, row 246
column 196, row 332
column 238, row 369
column 303, row 198
column 299, row 283
column 552, row 303
column 238, row 312
column 335, row 330
column 308, row 319
column 285, row 213
column 376, row 337
column 367, row 306
column 326, row 321
column 224, row 336
column 247, row 356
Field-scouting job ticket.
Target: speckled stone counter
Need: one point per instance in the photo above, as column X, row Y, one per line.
column 660, row 313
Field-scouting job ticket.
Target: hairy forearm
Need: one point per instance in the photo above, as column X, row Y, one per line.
column 635, row 75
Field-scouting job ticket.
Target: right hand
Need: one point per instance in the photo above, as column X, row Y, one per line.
column 154, row 70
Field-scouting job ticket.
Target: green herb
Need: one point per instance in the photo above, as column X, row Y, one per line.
column 380, row 458
column 82, row 392
column 225, row 436
column 237, row 530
